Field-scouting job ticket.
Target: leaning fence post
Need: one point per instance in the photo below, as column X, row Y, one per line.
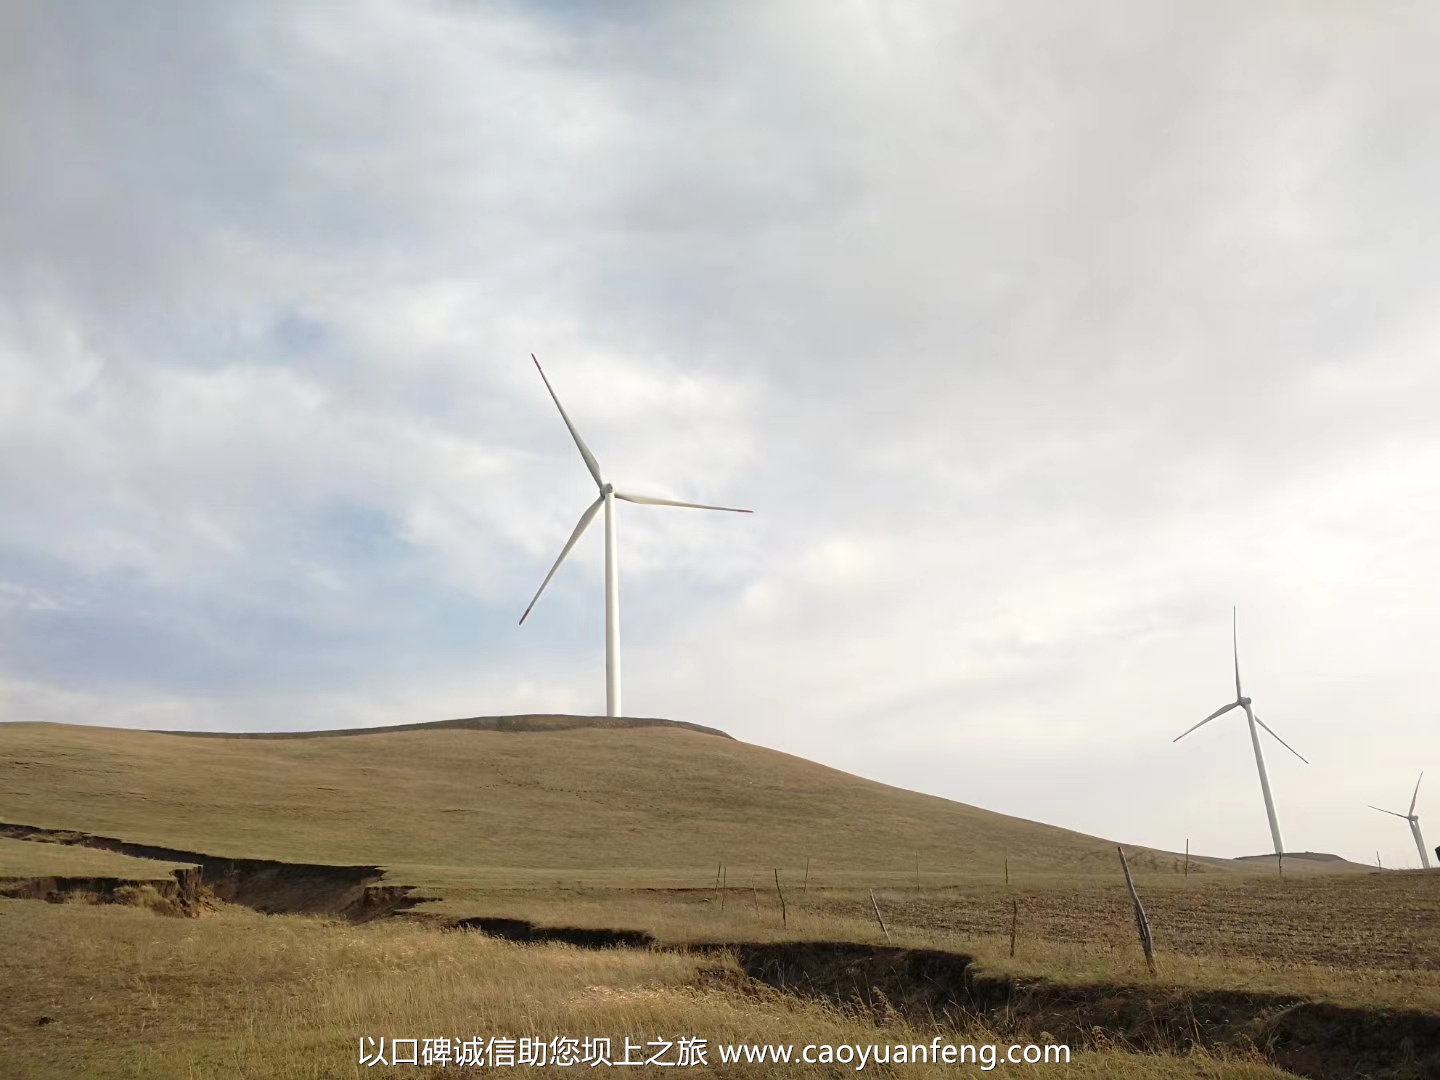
column 805, row 885
column 1146, row 942
column 878, row 919
column 784, row 917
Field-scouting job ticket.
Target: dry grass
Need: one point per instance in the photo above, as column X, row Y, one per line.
column 614, row 829
column 20, row 858
column 640, row 804
column 127, row 994
column 1239, row 937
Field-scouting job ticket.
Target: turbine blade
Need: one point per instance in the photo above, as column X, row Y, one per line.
column 1281, row 741
column 1235, row 643
column 1416, row 795
column 590, row 462
column 1218, row 712
column 585, row 520
column 651, row 500
column 1392, row 813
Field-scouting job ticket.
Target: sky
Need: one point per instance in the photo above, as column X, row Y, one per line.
column 1036, row 335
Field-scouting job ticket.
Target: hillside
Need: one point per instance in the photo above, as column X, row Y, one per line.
column 550, row 793
column 522, row 722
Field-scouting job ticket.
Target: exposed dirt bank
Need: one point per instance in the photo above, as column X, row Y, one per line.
column 106, row 890
column 521, row 930
column 275, row 888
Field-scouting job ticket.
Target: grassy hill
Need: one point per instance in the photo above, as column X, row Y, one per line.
column 522, row 722
column 570, row 826
column 557, row 795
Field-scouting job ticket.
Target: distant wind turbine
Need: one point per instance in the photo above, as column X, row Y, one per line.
column 1414, row 820
column 1243, row 702
column 607, row 498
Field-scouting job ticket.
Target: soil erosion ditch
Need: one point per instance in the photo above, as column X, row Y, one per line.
column 1308, row 1038
column 929, row 987
column 269, row 886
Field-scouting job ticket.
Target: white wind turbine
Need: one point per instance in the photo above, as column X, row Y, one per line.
column 607, row 498
column 1414, row 820
column 1243, row 702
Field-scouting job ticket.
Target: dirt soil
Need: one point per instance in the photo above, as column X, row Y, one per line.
column 1378, row 920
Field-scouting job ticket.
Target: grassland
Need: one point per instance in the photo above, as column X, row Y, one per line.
column 123, row 993
column 624, row 828
column 21, row 859
column 633, row 803
column 1372, row 942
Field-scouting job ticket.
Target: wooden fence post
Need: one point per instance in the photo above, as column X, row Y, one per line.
column 784, row 917
column 878, row 919
column 805, row 885
column 1187, row 858
column 1146, row 942
column 723, row 889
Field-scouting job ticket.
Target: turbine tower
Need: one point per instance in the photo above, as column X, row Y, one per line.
column 1414, row 820
column 1243, row 702
column 606, row 498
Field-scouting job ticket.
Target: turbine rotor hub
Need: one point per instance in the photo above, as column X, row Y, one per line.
column 1244, row 701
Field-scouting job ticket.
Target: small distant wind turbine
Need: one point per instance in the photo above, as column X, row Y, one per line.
column 1243, row 702
column 607, row 498
column 1414, row 820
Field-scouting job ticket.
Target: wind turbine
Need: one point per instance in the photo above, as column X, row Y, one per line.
column 1243, row 702
column 1414, row 820
column 606, row 498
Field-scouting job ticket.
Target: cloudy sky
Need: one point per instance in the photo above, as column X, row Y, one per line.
column 1037, row 335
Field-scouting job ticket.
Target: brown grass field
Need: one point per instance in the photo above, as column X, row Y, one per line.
column 1328, row 971
column 658, row 799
